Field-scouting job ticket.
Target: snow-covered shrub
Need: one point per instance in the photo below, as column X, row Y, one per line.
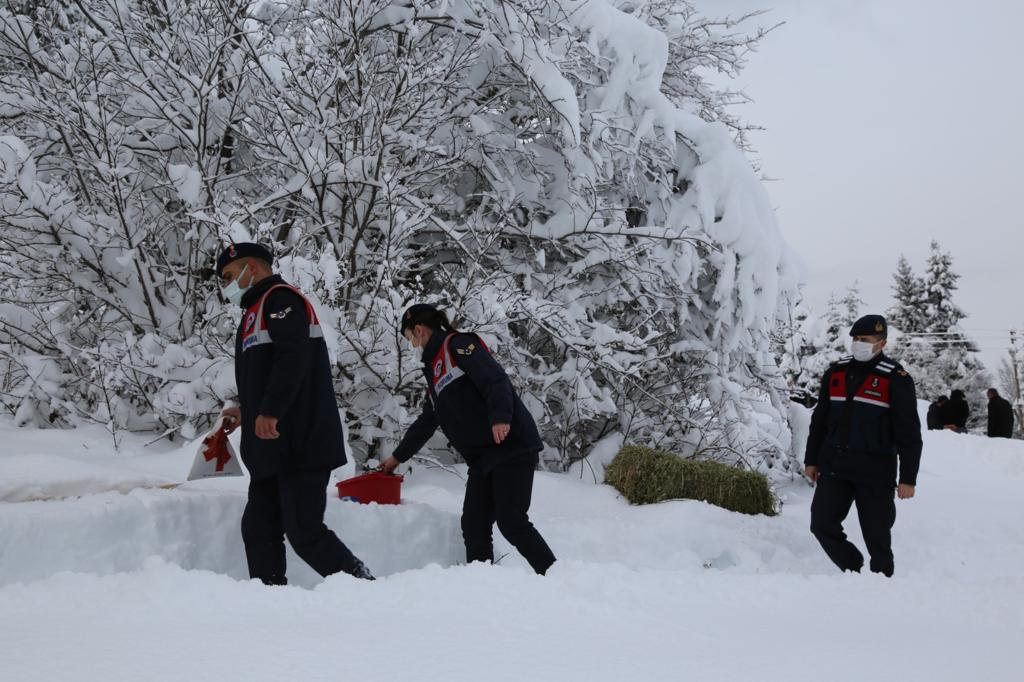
column 556, row 173
column 646, row 476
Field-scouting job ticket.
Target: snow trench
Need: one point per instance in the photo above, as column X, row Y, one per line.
column 113, row 533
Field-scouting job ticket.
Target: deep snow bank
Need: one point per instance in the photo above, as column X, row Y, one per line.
column 103, row 513
column 962, row 523
column 674, row 591
column 112, row 533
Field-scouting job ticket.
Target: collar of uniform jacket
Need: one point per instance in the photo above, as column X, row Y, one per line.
column 434, row 344
column 256, row 290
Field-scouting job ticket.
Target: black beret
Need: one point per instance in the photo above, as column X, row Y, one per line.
column 418, row 313
column 244, row 250
column 870, row 325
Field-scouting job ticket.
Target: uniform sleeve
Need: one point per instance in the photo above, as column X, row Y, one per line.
column 819, row 423
column 993, row 419
column 906, row 428
column 487, row 375
column 288, row 324
column 418, row 433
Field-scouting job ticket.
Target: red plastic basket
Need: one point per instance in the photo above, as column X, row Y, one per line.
column 375, row 486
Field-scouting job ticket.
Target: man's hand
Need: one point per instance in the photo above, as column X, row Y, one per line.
column 811, row 472
column 266, row 427
column 389, row 465
column 905, row 492
column 500, row 432
column 232, row 418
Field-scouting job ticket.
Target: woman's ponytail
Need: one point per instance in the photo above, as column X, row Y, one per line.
column 428, row 316
column 441, row 322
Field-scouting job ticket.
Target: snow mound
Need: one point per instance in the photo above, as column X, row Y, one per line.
column 194, row 529
column 20, row 480
column 679, row 590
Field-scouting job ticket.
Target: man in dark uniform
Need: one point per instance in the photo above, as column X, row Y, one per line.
column 865, row 419
column 1000, row 415
column 291, row 430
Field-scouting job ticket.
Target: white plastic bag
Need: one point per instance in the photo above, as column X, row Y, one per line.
column 216, row 456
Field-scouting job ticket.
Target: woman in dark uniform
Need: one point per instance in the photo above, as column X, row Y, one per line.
column 471, row 398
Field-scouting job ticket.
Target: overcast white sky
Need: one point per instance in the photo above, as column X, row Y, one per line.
column 889, row 124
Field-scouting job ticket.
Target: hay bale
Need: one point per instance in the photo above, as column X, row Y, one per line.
column 644, row 476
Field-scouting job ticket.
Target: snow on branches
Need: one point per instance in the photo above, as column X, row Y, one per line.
column 931, row 343
column 556, row 173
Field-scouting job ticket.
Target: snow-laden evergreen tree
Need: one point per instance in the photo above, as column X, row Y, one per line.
column 806, row 344
column 939, row 284
column 932, row 345
column 790, row 345
column 908, row 313
column 840, row 315
column 556, row 173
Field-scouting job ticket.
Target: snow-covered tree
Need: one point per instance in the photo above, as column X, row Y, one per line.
column 790, row 345
column 840, row 315
column 557, row 173
column 932, row 345
column 806, row 344
column 939, row 284
column 908, row 313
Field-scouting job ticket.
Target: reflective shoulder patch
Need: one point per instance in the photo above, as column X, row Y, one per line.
column 468, row 350
column 280, row 315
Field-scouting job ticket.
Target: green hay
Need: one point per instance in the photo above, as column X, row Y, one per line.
column 645, row 476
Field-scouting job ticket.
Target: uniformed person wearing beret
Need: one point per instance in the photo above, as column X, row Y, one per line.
column 864, row 447
column 291, row 430
column 471, row 398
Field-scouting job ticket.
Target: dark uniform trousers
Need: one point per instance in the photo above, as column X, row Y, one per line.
column 503, row 495
column 293, row 505
column 876, row 510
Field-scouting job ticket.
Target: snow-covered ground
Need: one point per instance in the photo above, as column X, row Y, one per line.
column 106, row 576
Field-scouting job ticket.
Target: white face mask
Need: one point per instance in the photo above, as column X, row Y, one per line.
column 233, row 292
column 410, row 345
column 862, row 350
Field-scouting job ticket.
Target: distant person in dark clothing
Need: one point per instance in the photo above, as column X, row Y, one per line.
column 957, row 412
column 1000, row 415
column 936, row 413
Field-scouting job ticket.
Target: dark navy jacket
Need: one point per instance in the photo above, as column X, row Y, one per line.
column 866, row 416
column 467, row 393
column 1000, row 418
column 957, row 411
column 282, row 370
